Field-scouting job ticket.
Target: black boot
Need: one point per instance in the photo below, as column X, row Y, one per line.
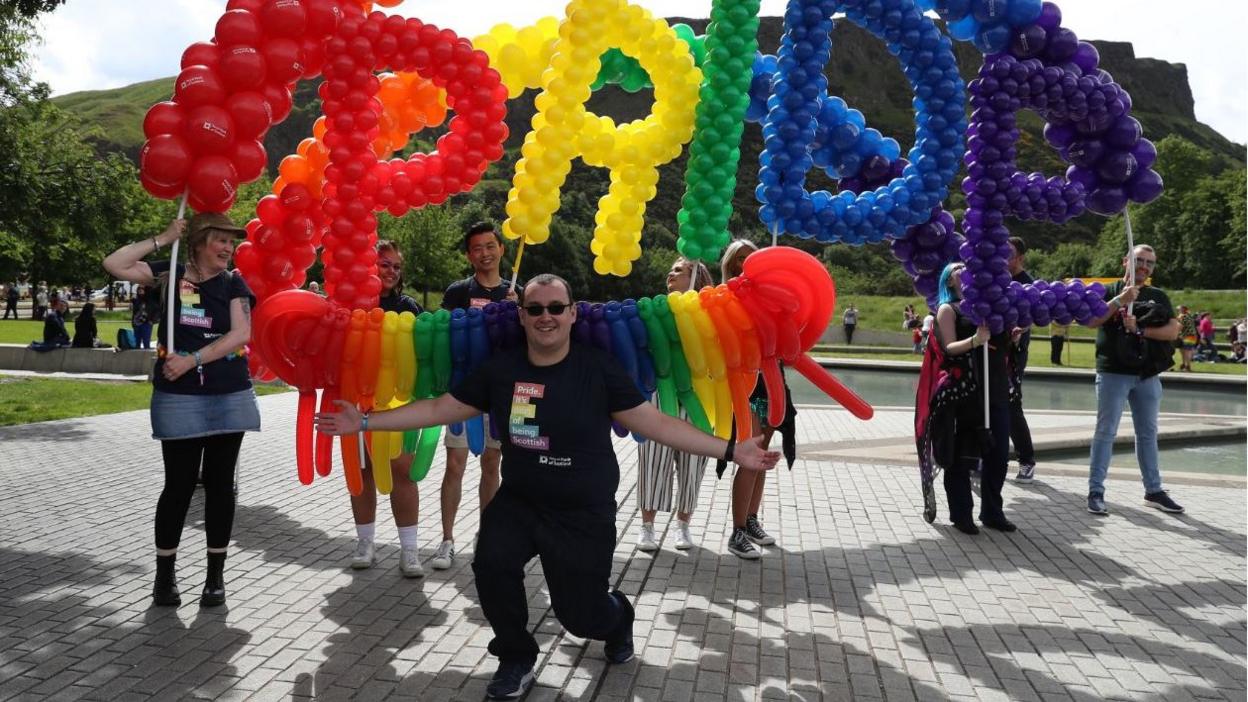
column 165, row 591
column 214, row 584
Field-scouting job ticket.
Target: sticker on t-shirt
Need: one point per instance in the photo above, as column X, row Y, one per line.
column 195, row 318
column 188, row 293
column 479, row 301
column 523, row 434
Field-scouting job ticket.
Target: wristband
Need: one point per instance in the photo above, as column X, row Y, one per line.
column 728, row 452
column 1116, row 303
column 198, row 360
column 364, row 421
column 155, row 243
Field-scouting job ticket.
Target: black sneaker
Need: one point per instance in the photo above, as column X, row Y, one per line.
column 1096, row 504
column 998, row 524
column 1161, row 500
column 510, row 681
column 754, row 532
column 740, row 545
column 619, row 648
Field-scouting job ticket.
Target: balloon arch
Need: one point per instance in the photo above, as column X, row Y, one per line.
column 387, row 77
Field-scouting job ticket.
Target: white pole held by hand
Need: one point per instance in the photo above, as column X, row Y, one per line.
column 1126, row 215
column 987, row 420
column 173, row 281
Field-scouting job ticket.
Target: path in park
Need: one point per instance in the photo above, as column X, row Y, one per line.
column 860, row 600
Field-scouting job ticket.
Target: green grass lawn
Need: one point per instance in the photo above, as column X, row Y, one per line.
column 24, row 400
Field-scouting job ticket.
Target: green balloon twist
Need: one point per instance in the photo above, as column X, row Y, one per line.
column 625, row 71
column 711, row 173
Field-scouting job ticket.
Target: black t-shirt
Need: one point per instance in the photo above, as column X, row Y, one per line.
column 1106, row 335
column 85, row 331
column 466, row 293
column 1024, row 342
column 399, row 303
column 201, row 316
column 555, row 424
column 998, row 345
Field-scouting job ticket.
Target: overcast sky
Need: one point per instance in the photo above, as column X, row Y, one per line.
column 97, row 44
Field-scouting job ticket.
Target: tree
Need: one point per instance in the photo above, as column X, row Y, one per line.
column 1066, row 261
column 429, row 239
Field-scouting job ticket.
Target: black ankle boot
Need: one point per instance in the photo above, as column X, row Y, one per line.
column 165, row 591
column 214, row 584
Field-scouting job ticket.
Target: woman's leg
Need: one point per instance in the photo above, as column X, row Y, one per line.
column 182, row 458
column 220, row 461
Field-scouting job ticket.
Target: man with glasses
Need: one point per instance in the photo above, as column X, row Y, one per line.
column 1134, row 344
column 560, row 476
column 483, row 246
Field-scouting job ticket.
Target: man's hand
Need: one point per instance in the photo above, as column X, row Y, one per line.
column 511, row 295
column 348, row 421
column 1128, row 295
column 1128, row 321
column 751, row 455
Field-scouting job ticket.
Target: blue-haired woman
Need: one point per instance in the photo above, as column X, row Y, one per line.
column 949, row 412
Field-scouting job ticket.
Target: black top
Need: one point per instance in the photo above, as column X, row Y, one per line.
column 1152, row 308
column 1024, row 342
column 54, row 329
column 466, row 293
column 399, row 303
column 555, row 424
column 85, row 332
column 201, row 316
column 998, row 346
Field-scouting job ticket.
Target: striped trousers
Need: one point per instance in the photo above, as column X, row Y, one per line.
column 655, row 464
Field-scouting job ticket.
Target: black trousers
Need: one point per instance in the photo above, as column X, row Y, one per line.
column 1020, row 435
column 575, row 546
column 1055, row 349
column 10, row 307
column 849, row 333
column 992, row 461
column 218, row 455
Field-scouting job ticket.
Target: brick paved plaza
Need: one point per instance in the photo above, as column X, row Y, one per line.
column 861, row 599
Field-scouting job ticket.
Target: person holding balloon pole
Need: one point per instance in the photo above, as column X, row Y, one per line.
column 962, row 433
column 747, row 486
column 202, row 399
column 1134, row 345
column 656, row 462
column 483, row 247
column 559, row 476
column 404, row 494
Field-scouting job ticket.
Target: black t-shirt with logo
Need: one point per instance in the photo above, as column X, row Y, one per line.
column 555, row 424
column 466, row 293
column 201, row 316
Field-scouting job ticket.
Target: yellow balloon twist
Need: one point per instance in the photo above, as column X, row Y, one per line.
column 563, row 129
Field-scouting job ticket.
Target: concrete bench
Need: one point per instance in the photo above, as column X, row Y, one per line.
column 68, row 360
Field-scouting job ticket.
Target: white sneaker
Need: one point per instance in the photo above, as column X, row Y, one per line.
column 645, row 540
column 684, row 541
column 409, row 563
column 365, row 555
column 444, row 557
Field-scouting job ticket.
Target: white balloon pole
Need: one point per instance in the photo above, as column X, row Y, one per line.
column 173, row 281
column 1126, row 215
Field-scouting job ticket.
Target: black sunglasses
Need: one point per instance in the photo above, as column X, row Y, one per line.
column 555, row 309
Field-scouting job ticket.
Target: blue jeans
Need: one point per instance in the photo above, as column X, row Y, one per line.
column 143, row 335
column 1113, row 390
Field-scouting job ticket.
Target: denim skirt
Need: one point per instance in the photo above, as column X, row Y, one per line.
column 192, row 416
